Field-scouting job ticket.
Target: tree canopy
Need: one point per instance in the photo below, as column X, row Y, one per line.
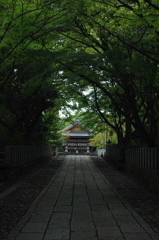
column 100, row 55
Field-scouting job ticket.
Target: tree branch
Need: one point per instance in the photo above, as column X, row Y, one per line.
column 152, row 5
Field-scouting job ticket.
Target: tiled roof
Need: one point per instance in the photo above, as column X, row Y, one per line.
column 67, row 128
column 82, row 134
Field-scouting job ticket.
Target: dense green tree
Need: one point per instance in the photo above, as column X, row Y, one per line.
column 27, row 67
column 27, row 94
column 108, row 46
column 113, row 44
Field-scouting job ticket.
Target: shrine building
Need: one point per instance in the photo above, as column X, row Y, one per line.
column 76, row 139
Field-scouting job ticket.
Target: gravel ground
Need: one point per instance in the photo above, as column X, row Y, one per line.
column 145, row 202
column 15, row 205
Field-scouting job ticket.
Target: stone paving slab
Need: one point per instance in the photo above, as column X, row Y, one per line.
column 57, row 233
column 29, row 236
column 80, row 204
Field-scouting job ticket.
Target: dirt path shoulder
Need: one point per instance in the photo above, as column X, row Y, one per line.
column 15, row 205
column 145, row 202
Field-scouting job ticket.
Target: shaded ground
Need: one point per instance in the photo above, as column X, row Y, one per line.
column 14, row 206
column 145, row 202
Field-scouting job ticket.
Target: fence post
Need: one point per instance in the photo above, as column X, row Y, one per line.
column 17, row 155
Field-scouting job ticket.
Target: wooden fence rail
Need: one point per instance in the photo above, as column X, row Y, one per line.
column 147, row 158
column 140, row 163
column 17, row 155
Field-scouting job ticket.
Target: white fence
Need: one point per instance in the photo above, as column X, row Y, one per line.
column 147, row 158
column 17, row 155
column 101, row 151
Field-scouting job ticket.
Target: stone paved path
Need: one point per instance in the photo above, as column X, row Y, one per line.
column 79, row 204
